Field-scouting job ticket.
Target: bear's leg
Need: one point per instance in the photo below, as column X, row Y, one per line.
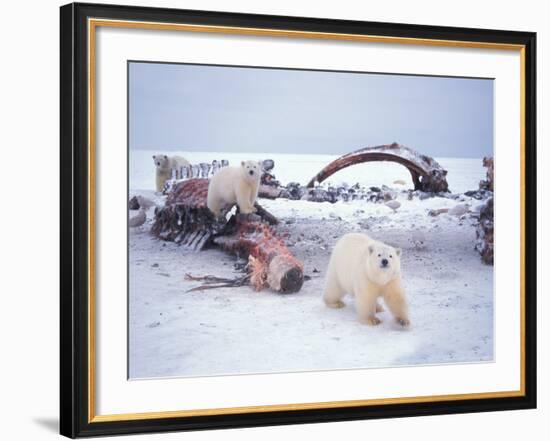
column 394, row 297
column 215, row 209
column 365, row 302
column 213, row 204
column 160, row 184
column 253, row 195
column 333, row 292
column 243, row 200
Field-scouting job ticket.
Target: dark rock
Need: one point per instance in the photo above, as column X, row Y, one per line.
column 317, row 195
column 269, row 179
column 437, row 212
column 133, row 204
column 485, row 233
column 293, row 190
column 487, row 184
column 479, row 194
column 268, row 164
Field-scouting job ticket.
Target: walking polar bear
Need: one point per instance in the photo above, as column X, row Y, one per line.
column 232, row 185
column 164, row 165
column 366, row 269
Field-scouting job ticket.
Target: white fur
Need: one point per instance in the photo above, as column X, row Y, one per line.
column 356, row 268
column 164, row 165
column 235, row 185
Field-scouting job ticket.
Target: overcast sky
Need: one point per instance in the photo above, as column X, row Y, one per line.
column 212, row 108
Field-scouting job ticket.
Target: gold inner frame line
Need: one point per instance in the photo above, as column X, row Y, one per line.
column 92, row 25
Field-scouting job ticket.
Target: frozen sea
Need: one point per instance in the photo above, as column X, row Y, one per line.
column 463, row 173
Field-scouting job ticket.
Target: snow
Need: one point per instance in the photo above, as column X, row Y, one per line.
column 237, row 330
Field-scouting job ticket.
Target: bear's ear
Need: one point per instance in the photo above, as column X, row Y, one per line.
column 398, row 251
column 242, row 163
column 371, row 249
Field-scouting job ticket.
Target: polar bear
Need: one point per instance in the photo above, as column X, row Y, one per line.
column 366, row 269
column 164, row 165
column 232, row 185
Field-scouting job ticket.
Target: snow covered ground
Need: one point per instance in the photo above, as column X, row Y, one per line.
column 238, row 330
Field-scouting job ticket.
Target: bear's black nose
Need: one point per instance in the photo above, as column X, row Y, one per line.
column 251, row 172
column 384, row 262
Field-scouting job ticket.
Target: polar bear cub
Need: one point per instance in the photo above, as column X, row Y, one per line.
column 164, row 165
column 232, row 185
column 366, row 269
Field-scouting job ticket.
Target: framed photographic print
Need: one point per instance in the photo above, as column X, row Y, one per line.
column 273, row 220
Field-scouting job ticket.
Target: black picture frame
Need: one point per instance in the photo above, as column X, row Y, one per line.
column 75, row 414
